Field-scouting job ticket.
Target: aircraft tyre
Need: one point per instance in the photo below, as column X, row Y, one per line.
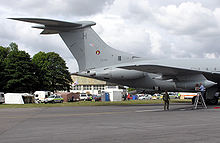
column 213, row 101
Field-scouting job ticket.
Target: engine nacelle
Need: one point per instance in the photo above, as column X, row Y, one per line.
column 192, row 84
column 120, row 74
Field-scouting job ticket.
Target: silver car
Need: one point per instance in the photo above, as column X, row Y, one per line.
column 145, row 97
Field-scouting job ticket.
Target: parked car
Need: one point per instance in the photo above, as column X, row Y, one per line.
column 173, row 95
column 145, row 97
column 97, row 98
column 83, row 96
column 54, row 99
column 157, row 96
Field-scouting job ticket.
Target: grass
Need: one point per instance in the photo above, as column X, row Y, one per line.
column 89, row 103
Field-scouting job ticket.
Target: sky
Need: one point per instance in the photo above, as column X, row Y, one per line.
column 147, row 28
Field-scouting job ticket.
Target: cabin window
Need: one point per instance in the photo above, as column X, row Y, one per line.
column 119, row 58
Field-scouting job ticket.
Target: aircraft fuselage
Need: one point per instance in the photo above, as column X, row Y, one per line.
column 154, row 81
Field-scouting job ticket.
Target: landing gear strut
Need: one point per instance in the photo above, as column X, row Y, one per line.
column 212, row 101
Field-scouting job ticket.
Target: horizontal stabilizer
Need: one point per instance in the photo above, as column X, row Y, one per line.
column 55, row 26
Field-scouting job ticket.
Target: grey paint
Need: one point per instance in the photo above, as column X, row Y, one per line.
column 110, row 124
column 90, row 51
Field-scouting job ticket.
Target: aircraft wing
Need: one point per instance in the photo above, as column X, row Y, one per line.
column 162, row 70
column 173, row 72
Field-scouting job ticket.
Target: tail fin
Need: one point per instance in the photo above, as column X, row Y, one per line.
column 84, row 43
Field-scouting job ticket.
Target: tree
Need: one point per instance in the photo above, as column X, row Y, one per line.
column 20, row 71
column 3, row 54
column 53, row 73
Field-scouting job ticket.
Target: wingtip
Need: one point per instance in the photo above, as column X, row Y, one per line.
column 13, row 18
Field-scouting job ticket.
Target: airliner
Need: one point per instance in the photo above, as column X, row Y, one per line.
column 99, row 61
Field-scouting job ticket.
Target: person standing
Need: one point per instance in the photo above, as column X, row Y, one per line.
column 166, row 99
column 91, row 98
column 202, row 90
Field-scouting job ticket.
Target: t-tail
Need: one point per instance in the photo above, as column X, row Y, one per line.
column 87, row 47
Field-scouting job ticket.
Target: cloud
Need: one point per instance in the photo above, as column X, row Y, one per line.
column 67, row 8
column 29, row 39
column 123, row 26
column 190, row 28
column 187, row 19
column 131, row 10
column 147, row 28
column 210, row 55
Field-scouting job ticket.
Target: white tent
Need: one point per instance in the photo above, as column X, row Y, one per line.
column 16, row 98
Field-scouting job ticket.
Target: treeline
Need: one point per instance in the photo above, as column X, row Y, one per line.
column 21, row 73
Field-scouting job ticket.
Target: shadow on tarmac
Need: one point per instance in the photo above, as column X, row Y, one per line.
column 156, row 104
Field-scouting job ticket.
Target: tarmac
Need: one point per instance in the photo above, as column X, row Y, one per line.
column 110, row 124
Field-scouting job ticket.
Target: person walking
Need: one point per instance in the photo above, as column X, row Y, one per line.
column 166, row 99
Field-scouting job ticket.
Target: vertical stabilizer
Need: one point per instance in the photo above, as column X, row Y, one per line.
column 84, row 43
column 90, row 51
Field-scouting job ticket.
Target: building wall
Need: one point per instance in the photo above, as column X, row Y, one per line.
column 92, row 86
column 87, row 81
column 92, row 89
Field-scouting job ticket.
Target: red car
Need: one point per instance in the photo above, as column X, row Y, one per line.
column 129, row 97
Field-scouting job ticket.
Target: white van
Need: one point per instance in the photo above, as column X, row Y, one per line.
column 2, row 97
column 40, row 96
column 83, row 96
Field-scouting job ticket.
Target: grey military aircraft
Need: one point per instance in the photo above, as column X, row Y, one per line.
column 98, row 60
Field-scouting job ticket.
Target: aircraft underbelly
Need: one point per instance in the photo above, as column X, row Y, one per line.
column 169, row 85
column 144, row 80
